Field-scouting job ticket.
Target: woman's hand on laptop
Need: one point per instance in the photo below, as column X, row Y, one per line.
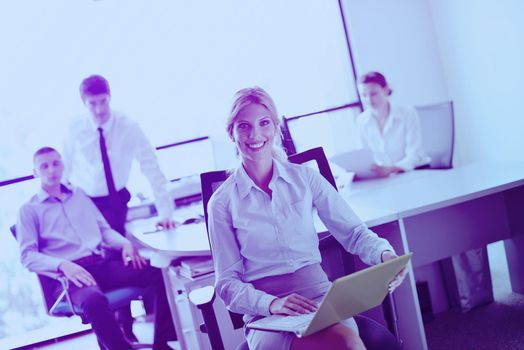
column 293, row 304
column 399, row 278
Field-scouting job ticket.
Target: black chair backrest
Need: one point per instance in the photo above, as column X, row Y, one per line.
column 210, row 181
column 315, row 154
column 287, row 140
column 438, row 133
column 13, row 231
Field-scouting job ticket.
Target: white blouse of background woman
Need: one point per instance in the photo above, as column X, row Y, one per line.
column 400, row 143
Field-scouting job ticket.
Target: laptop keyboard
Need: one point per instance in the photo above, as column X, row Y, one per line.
column 287, row 322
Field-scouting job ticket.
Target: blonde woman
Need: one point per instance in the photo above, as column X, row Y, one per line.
column 264, row 243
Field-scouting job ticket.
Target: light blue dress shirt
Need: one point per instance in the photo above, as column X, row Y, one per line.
column 50, row 231
column 254, row 236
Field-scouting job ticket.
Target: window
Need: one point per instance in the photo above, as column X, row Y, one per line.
column 173, row 66
column 334, row 131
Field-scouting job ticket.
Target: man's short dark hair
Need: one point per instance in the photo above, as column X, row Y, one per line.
column 94, row 85
column 44, row 150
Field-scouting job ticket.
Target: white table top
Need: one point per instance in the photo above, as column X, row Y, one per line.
column 424, row 190
column 375, row 202
column 184, row 240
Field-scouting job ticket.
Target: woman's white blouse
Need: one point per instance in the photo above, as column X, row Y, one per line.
column 400, row 144
column 254, row 236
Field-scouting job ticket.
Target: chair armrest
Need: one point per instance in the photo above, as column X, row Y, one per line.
column 203, row 296
column 50, row 274
column 203, row 299
column 64, row 283
column 57, row 276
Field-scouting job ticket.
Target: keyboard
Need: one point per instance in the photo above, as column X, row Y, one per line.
column 290, row 323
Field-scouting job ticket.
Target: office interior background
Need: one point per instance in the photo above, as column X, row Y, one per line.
column 174, row 66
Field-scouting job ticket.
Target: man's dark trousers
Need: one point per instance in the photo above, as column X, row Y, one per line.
column 111, row 273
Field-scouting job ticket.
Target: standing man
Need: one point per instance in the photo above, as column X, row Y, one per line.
column 99, row 151
column 98, row 155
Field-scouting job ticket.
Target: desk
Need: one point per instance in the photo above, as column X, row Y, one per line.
column 433, row 213
column 441, row 213
column 184, row 241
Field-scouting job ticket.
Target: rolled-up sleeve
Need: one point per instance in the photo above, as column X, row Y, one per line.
column 145, row 154
column 343, row 223
column 27, row 231
column 238, row 296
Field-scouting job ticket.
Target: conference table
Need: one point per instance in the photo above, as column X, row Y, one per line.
column 433, row 213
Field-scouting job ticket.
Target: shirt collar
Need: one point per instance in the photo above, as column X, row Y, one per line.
column 106, row 126
column 43, row 195
column 280, row 171
column 245, row 183
column 368, row 116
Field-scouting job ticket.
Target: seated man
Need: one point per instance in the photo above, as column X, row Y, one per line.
column 60, row 229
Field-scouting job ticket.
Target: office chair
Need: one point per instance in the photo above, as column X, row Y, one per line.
column 438, row 133
column 62, row 305
column 373, row 334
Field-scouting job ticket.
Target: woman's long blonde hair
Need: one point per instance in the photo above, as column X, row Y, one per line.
column 259, row 96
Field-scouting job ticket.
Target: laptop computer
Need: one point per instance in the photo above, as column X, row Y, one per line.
column 348, row 296
column 358, row 161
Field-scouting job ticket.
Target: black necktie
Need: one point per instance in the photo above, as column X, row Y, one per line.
column 107, row 166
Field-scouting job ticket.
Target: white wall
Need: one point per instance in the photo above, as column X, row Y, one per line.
column 468, row 51
column 483, row 57
column 398, row 39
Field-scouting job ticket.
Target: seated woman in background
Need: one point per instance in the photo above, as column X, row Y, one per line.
column 391, row 132
column 264, row 242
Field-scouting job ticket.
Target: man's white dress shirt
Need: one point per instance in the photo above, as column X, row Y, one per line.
column 125, row 142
